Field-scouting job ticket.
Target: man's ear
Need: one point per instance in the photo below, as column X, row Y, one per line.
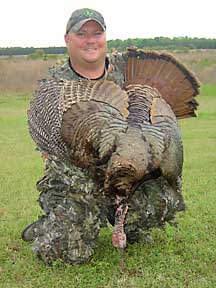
column 66, row 38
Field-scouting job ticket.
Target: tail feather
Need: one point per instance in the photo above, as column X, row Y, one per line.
column 177, row 85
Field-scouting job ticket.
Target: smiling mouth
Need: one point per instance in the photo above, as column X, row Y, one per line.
column 90, row 49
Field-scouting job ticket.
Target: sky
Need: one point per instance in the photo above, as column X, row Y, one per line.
column 41, row 23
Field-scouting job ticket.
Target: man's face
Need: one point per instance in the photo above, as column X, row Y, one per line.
column 88, row 45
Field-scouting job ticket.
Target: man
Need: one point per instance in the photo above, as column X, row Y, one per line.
column 85, row 39
column 75, row 207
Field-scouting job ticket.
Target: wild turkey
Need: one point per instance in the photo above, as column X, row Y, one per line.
column 124, row 136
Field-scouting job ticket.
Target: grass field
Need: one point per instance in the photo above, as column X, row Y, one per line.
column 178, row 257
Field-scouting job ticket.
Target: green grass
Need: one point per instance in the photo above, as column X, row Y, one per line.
column 178, row 257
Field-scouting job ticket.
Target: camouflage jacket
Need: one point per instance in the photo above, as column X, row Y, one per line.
column 114, row 70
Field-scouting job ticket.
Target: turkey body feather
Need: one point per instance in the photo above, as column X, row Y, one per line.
column 151, row 144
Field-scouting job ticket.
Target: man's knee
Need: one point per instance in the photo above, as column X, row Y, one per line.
column 69, row 231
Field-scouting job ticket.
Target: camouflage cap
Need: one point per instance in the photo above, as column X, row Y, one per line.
column 79, row 17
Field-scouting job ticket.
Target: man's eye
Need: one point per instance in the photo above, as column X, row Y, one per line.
column 99, row 33
column 80, row 34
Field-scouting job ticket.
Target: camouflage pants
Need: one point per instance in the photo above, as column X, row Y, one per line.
column 75, row 209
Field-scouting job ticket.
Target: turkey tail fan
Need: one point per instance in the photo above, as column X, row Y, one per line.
column 177, row 85
column 102, row 91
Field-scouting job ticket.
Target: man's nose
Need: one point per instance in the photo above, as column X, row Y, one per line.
column 90, row 37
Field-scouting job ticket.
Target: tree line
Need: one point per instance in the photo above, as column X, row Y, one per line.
column 157, row 43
